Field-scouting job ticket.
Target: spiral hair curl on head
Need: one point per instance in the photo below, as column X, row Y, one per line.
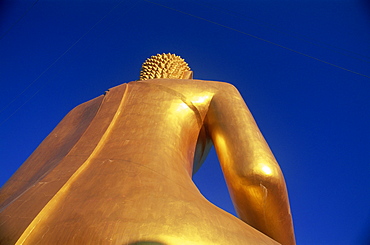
column 164, row 66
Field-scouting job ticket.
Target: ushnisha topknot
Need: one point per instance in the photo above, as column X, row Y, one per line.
column 165, row 66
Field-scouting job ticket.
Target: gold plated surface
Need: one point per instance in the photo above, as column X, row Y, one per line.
column 164, row 66
column 118, row 169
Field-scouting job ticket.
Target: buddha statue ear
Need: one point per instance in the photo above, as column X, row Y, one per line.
column 187, row 75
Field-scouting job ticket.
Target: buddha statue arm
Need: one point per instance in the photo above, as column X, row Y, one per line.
column 253, row 176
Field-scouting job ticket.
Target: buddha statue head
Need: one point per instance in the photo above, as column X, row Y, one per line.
column 165, row 66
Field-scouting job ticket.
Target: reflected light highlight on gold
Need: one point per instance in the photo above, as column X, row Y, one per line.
column 117, row 170
column 200, row 99
column 267, row 170
column 181, row 107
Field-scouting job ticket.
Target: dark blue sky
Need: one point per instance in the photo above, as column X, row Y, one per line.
column 301, row 66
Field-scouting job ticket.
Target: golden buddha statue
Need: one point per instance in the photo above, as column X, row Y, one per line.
column 118, row 169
